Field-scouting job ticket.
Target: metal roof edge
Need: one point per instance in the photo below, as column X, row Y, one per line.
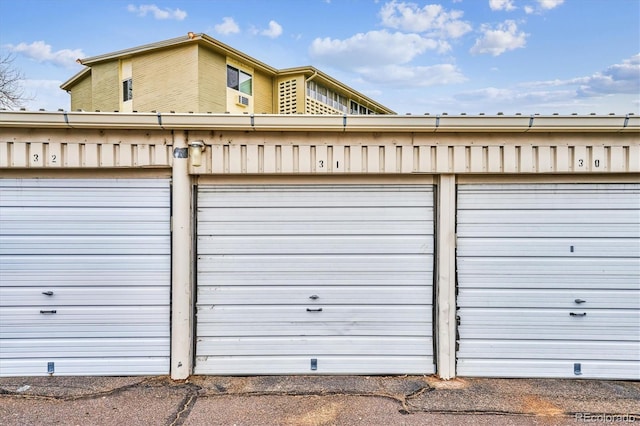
column 78, row 76
column 348, row 89
column 133, row 50
column 300, row 122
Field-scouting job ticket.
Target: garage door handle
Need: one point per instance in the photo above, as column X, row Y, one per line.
column 314, row 310
column 573, row 314
column 48, row 293
column 48, row 312
column 579, row 301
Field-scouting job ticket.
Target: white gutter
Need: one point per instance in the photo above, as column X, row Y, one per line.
column 299, row 122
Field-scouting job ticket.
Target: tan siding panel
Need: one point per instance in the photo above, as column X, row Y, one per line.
column 105, row 86
column 212, row 81
column 81, row 95
column 166, row 88
column 262, row 94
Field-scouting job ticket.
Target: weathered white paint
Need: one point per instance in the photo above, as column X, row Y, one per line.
column 267, row 144
column 84, row 276
column 446, row 277
column 337, row 273
column 181, row 261
column 548, row 278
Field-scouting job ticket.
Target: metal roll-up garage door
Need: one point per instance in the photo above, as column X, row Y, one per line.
column 314, row 279
column 84, row 277
column 549, row 280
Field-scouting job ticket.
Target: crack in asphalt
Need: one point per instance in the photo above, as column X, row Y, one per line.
column 89, row 395
column 185, row 406
column 193, row 392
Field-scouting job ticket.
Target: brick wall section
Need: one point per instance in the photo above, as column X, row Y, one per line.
column 105, row 84
column 167, row 88
column 262, row 93
column 291, row 95
column 81, row 98
column 212, row 81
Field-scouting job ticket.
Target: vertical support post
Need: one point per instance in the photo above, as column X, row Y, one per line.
column 446, row 325
column 181, row 261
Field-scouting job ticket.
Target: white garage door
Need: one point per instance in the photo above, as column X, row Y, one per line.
column 314, row 279
column 549, row 280
column 84, row 277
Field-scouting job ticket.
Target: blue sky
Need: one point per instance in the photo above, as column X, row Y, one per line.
column 448, row 56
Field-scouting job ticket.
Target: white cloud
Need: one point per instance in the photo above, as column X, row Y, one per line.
column 543, row 5
column 274, row 30
column 502, row 5
column 375, row 48
column 623, row 78
column 550, row 4
column 615, row 89
column 157, row 12
column 432, row 19
column 45, row 94
column 413, row 76
column 228, row 26
column 41, row 52
column 496, row 41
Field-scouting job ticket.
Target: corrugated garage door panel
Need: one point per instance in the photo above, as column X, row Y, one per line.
column 84, row 276
column 548, row 280
column 337, row 274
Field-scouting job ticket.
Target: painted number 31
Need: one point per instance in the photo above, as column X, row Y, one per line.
column 321, row 164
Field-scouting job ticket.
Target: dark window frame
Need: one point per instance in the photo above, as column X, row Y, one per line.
column 234, row 80
column 127, row 90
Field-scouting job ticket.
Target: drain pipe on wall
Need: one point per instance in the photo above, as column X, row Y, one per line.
column 181, row 289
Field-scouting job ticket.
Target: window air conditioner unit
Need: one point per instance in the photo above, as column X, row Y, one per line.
column 243, row 100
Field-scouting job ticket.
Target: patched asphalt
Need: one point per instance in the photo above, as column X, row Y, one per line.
column 314, row 400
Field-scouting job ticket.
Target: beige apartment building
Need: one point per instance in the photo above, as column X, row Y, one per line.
column 196, row 73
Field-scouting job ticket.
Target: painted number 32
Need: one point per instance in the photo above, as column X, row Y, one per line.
column 36, row 158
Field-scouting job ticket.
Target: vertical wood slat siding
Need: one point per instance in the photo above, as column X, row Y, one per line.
column 365, row 251
column 101, row 248
column 363, row 157
column 57, row 155
column 548, row 278
column 356, row 154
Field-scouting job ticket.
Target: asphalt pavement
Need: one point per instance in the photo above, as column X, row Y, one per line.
column 315, row 401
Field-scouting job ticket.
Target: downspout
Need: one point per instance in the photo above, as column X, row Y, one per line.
column 315, row 73
column 181, row 260
column 304, row 89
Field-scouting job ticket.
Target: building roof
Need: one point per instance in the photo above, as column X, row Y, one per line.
column 216, row 45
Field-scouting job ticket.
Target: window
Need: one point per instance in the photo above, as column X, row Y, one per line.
column 127, row 90
column 326, row 96
column 239, row 80
column 356, row 108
